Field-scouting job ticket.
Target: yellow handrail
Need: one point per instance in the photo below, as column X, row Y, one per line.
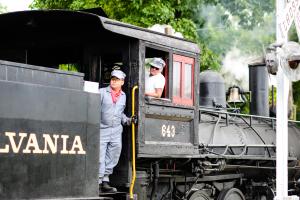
column 133, row 144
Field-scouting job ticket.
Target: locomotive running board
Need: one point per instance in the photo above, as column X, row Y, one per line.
column 165, row 178
column 209, row 150
column 245, row 148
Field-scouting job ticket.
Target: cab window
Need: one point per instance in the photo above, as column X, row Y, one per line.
column 151, row 53
column 183, row 80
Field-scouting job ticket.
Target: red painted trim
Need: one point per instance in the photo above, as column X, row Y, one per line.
column 166, row 74
column 184, row 60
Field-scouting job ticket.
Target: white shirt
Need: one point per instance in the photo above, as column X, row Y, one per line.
column 154, row 82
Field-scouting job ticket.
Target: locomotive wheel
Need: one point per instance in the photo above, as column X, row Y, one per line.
column 231, row 194
column 198, row 195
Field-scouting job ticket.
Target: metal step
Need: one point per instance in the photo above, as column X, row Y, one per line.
column 113, row 195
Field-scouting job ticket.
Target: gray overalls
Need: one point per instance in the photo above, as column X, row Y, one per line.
column 112, row 115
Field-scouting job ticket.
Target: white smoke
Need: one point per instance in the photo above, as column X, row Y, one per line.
column 235, row 68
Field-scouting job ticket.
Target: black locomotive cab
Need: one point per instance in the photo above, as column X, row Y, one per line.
column 36, row 49
column 94, row 45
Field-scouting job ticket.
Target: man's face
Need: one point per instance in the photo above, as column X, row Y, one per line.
column 154, row 71
column 116, row 83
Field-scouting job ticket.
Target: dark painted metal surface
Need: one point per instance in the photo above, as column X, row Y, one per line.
column 142, row 180
column 150, row 36
column 33, row 110
column 259, row 87
column 239, row 138
column 168, row 131
column 40, row 75
column 35, row 19
column 251, row 140
column 212, row 89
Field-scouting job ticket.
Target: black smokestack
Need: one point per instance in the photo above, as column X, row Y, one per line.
column 259, row 87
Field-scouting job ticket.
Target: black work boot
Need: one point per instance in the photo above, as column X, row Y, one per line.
column 107, row 188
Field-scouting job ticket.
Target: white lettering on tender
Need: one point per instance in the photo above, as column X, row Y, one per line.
column 64, row 149
column 77, row 144
column 52, row 145
column 32, row 142
column 11, row 136
column 20, row 143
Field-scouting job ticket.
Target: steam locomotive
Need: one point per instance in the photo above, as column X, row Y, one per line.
column 186, row 145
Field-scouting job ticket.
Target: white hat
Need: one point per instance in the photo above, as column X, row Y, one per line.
column 118, row 73
column 157, row 62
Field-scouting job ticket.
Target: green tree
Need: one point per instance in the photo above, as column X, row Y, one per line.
column 296, row 95
column 3, row 9
column 140, row 13
column 224, row 34
column 250, row 13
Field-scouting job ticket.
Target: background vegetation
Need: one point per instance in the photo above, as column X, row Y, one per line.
column 2, row 9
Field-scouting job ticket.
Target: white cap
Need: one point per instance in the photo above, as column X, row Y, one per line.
column 157, row 62
column 118, row 73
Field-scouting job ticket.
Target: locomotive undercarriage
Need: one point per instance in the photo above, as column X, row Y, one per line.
column 236, row 160
column 206, row 179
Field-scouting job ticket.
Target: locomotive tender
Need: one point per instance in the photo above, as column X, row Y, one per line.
column 186, row 145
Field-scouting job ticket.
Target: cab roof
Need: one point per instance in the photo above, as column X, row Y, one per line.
column 21, row 25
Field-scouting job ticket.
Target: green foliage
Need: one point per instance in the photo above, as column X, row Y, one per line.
column 69, row 67
column 3, row 9
column 186, row 27
column 51, row 4
column 296, row 95
column 270, row 96
column 223, row 35
column 250, row 13
column 209, row 60
column 245, row 107
column 145, row 16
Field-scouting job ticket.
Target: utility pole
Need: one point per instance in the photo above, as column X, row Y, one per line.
column 286, row 13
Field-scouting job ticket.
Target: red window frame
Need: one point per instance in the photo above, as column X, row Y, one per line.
column 166, row 75
column 181, row 99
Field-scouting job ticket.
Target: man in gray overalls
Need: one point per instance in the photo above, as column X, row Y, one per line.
column 113, row 101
